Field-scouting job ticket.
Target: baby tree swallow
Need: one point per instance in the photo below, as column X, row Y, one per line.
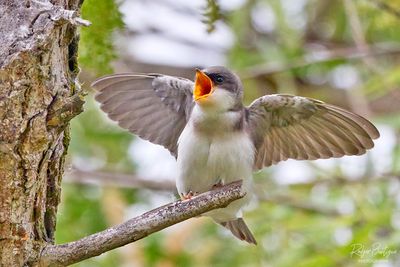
column 217, row 140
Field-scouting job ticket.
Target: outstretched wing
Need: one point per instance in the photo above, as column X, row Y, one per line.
column 153, row 106
column 286, row 126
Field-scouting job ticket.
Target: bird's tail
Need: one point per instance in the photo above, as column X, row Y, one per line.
column 239, row 229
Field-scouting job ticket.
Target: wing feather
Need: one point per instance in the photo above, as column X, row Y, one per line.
column 267, row 158
column 155, row 107
column 307, row 144
column 286, row 126
column 336, row 137
column 276, row 157
column 322, row 146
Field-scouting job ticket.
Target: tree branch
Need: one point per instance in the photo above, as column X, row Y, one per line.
column 386, row 7
column 118, row 180
column 358, row 34
column 133, row 181
column 357, row 99
column 299, row 204
column 349, row 53
column 140, row 227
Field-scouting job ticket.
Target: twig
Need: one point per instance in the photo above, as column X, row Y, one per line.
column 319, row 57
column 358, row 33
column 118, row 180
column 133, row 181
column 355, row 24
column 300, row 205
column 140, row 227
column 218, row 48
column 385, row 7
column 341, row 181
column 356, row 98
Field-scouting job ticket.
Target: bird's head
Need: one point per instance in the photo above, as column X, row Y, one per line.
column 217, row 87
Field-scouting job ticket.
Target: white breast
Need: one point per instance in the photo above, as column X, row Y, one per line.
column 212, row 152
column 204, row 161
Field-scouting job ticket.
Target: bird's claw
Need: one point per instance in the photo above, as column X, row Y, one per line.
column 188, row 196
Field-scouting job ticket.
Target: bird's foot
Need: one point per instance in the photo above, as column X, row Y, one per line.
column 188, row 196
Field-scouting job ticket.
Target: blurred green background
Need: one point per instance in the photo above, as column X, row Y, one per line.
column 337, row 212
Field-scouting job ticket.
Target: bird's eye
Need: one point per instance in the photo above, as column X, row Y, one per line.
column 219, row 79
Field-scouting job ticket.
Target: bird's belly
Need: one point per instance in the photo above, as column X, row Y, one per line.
column 205, row 161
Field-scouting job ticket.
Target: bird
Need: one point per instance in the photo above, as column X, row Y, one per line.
column 216, row 139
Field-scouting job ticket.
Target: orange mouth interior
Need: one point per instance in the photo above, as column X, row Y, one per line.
column 203, row 86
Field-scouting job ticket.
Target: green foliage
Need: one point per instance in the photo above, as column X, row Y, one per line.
column 81, row 215
column 211, row 15
column 380, row 85
column 94, row 138
column 96, row 44
column 154, row 249
column 84, row 212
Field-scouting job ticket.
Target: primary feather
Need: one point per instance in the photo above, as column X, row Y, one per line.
column 293, row 127
column 155, row 107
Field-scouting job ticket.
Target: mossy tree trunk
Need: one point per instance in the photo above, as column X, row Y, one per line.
column 39, row 94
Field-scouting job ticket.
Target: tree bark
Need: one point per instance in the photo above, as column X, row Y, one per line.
column 39, row 94
column 141, row 226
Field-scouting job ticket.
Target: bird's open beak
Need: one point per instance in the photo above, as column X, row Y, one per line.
column 203, row 86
